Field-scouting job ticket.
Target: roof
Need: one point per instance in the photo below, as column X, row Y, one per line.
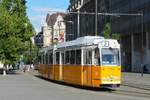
column 87, row 40
column 84, row 41
column 52, row 18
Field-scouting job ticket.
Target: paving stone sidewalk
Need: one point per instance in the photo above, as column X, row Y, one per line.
column 136, row 80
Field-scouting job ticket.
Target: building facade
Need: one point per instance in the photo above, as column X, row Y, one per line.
column 134, row 30
column 38, row 40
column 54, row 31
column 71, row 29
column 84, row 23
column 46, row 30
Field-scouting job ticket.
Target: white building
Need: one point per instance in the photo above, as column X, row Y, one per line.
column 54, row 29
column 46, row 35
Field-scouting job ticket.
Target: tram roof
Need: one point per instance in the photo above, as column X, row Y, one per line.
column 87, row 40
column 82, row 41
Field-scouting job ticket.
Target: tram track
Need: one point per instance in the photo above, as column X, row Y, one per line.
column 137, row 87
column 145, row 94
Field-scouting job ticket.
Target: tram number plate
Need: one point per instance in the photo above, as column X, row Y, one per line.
column 105, row 44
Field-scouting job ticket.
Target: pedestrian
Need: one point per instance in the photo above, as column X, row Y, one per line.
column 144, row 69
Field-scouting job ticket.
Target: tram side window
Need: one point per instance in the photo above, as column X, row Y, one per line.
column 67, row 57
column 97, row 57
column 57, row 57
column 63, row 59
column 50, row 58
column 46, row 60
column 72, row 58
column 39, row 59
column 43, row 62
column 88, row 57
column 78, row 56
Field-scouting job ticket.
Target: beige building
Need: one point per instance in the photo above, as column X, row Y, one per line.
column 54, row 29
column 46, row 30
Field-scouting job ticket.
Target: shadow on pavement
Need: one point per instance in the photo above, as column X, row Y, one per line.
column 78, row 86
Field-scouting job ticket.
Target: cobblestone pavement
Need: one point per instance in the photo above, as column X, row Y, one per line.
column 136, row 80
column 25, row 86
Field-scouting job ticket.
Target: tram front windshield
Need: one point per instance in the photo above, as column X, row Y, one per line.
column 110, row 57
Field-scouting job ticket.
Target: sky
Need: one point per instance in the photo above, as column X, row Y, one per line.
column 38, row 9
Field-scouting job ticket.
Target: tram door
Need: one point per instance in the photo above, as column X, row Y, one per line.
column 87, row 68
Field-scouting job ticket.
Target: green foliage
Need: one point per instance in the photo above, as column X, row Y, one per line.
column 107, row 30
column 30, row 54
column 116, row 36
column 15, row 30
column 9, row 51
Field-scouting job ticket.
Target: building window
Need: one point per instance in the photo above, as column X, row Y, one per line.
column 59, row 24
column 137, row 42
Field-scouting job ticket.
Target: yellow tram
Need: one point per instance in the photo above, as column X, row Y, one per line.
column 87, row 61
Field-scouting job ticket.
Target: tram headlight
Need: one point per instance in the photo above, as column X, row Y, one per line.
column 113, row 44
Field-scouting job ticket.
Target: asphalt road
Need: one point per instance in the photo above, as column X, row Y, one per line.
column 25, row 86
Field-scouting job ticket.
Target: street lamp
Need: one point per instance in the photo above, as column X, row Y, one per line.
column 78, row 23
column 142, row 48
column 96, row 18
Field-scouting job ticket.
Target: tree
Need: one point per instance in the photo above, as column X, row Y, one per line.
column 30, row 56
column 15, row 30
column 107, row 32
column 116, row 36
